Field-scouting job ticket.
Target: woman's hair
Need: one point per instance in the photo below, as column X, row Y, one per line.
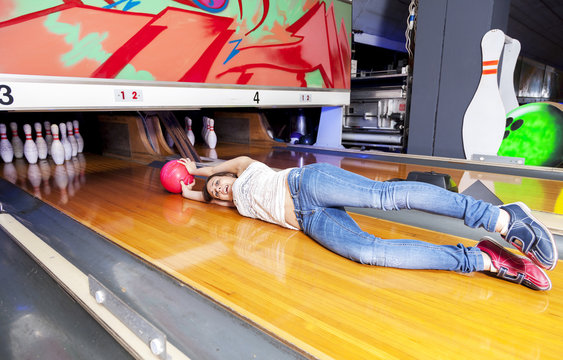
column 206, row 195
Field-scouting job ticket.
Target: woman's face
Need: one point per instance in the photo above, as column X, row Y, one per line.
column 220, row 187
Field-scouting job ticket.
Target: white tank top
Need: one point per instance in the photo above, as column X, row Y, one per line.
column 259, row 193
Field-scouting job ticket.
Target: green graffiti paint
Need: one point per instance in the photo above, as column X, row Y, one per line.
column 535, row 132
column 129, row 73
column 314, row 79
column 88, row 47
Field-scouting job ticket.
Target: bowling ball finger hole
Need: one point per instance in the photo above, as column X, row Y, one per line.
column 517, row 124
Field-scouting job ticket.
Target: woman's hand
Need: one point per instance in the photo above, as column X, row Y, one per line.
column 187, row 188
column 189, row 164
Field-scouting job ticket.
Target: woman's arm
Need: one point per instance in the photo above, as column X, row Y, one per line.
column 188, row 193
column 236, row 165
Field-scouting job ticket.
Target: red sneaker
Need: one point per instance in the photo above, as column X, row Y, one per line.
column 514, row 268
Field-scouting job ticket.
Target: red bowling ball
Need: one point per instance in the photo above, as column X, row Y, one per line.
column 171, row 174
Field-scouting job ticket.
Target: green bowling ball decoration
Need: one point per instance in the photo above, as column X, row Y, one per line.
column 535, row 132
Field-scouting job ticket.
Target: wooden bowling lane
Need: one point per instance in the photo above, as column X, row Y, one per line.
column 286, row 284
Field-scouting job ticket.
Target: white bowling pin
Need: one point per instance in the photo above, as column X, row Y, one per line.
column 42, row 149
column 71, row 138
column 17, row 144
column 211, row 136
column 29, row 147
column 205, row 129
column 57, row 148
column 65, row 142
column 189, row 131
column 506, row 85
column 48, row 136
column 6, row 149
column 484, row 120
column 79, row 139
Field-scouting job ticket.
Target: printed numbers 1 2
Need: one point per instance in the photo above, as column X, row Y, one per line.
column 128, row 95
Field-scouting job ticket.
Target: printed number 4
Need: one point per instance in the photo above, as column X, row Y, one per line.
column 6, row 97
column 257, row 98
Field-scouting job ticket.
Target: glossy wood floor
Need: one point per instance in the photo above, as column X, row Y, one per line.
column 285, row 283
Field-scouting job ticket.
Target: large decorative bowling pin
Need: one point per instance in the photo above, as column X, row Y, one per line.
column 65, row 142
column 42, row 149
column 189, row 131
column 6, row 150
column 29, row 147
column 79, row 139
column 506, row 82
column 57, row 148
column 484, row 120
column 17, row 143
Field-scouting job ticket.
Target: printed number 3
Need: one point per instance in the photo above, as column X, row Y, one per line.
column 6, row 97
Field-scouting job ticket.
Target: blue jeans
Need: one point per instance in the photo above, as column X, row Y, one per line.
column 320, row 192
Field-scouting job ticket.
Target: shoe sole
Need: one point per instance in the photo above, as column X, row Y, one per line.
column 530, row 254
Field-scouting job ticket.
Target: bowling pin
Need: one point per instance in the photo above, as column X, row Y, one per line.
column 189, row 131
column 17, row 144
column 211, row 136
column 79, row 139
column 506, row 85
column 6, row 150
column 57, row 148
column 71, row 138
column 484, row 120
column 42, row 149
column 65, row 142
column 48, row 136
column 205, row 129
column 29, row 147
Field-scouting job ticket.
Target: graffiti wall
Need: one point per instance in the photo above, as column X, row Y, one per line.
column 277, row 43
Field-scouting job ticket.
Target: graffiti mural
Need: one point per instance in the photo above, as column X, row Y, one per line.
column 286, row 43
